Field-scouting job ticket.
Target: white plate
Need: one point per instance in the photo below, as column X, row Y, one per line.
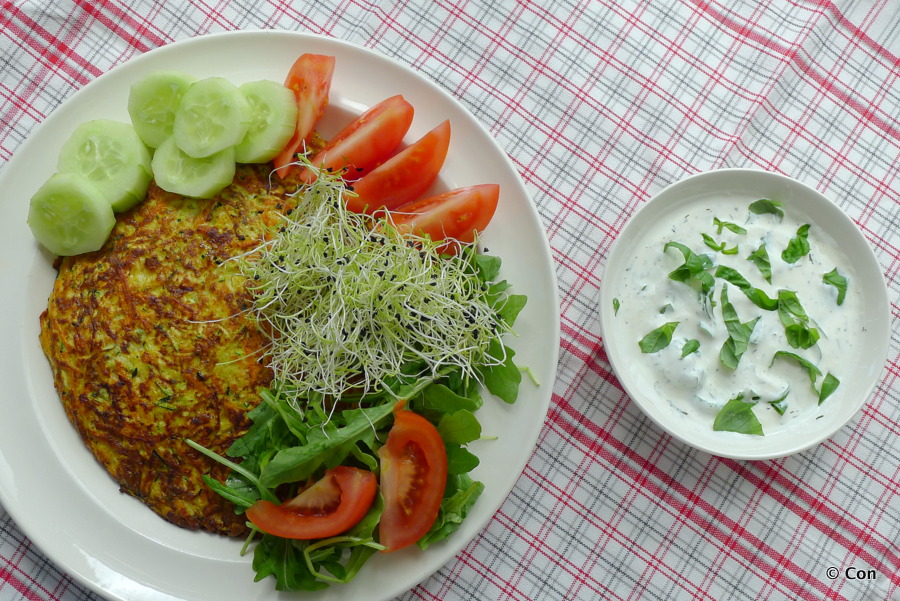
column 64, row 500
column 859, row 372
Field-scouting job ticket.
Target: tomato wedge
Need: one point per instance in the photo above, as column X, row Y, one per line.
column 310, row 79
column 405, row 176
column 367, row 141
column 413, row 479
column 334, row 504
column 453, row 215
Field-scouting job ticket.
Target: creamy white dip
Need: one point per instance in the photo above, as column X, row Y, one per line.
column 699, row 384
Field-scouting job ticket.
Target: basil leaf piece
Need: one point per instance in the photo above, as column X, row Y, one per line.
column 616, row 305
column 798, row 246
column 760, row 258
column 737, row 416
column 757, row 296
column 764, row 206
column 691, row 346
column 659, row 338
column 812, row 371
column 833, row 278
column 733, row 227
column 799, row 335
column 738, row 333
column 789, row 308
column 829, row 385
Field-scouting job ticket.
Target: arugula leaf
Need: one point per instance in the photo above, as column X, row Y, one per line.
column 760, row 258
column 764, row 206
column 502, row 380
column 282, row 559
column 460, row 496
column 733, row 227
column 659, row 338
column 833, row 278
column 459, row 427
column 690, row 346
column 440, row 398
column 798, row 246
column 737, row 416
column 460, row 460
column 829, row 385
column 325, row 446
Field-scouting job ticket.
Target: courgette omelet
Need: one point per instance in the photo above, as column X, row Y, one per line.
column 150, row 343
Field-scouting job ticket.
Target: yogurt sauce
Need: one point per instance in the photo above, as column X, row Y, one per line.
column 698, row 385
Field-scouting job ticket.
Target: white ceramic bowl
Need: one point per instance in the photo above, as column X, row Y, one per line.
column 654, row 224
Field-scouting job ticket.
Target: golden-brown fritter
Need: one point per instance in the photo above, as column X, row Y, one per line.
column 148, row 345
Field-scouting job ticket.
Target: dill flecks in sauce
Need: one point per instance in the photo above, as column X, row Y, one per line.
column 741, row 314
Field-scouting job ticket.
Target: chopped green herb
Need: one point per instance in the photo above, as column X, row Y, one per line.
column 756, row 295
column 833, row 278
column 690, row 346
column 721, row 247
column 659, row 338
column 780, row 404
column 616, row 305
column 738, row 333
column 737, row 416
column 733, row 227
column 793, row 316
column 760, row 258
column 798, row 246
column 765, row 206
column 829, row 385
column 812, row 371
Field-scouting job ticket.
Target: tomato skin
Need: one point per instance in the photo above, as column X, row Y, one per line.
column 456, row 214
column 366, row 141
column 413, row 479
column 310, row 79
column 333, row 505
column 405, row 176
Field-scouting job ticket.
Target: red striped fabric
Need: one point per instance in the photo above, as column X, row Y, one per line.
column 600, row 104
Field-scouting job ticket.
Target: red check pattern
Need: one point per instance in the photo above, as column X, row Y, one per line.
column 600, row 104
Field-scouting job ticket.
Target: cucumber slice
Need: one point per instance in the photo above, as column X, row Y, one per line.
column 213, row 115
column 112, row 157
column 68, row 215
column 152, row 103
column 179, row 173
column 273, row 119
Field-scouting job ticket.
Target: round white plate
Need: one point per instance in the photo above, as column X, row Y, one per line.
column 859, row 373
column 67, row 504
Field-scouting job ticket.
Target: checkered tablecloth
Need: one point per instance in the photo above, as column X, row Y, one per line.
column 600, row 104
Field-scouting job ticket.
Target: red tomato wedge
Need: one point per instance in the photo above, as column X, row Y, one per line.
column 367, row 141
column 456, row 214
column 413, row 479
column 334, row 504
column 405, row 176
column 310, row 79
